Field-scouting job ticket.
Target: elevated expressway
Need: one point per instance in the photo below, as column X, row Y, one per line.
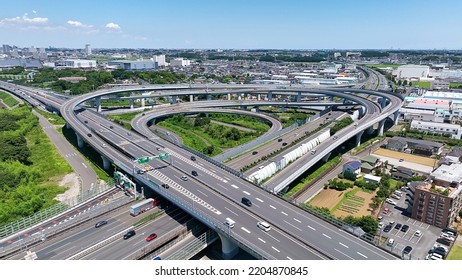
column 215, row 195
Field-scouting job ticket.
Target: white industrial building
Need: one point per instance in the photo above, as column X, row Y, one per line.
column 409, row 114
column 133, row 64
column 412, row 72
column 439, row 128
column 160, row 59
column 76, row 63
column 180, row 62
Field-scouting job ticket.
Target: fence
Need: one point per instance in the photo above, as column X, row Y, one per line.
column 48, row 213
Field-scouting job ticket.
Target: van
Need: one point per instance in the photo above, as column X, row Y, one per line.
column 230, row 223
column 246, row 201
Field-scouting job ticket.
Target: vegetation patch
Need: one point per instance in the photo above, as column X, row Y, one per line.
column 8, row 99
column 30, row 167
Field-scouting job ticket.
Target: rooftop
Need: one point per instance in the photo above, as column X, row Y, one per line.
column 417, row 141
column 448, row 173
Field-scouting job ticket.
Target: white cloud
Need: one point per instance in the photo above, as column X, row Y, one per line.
column 113, row 26
column 24, row 19
column 34, row 11
column 78, row 24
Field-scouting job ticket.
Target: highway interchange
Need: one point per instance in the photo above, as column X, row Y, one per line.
column 215, row 193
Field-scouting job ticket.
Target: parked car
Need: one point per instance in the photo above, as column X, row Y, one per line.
column 404, row 228
column 398, row 226
column 387, row 228
column 129, row 234
column 391, row 201
column 280, row 140
column 418, row 233
column 407, row 250
column 100, row 224
column 390, row 242
column 152, row 236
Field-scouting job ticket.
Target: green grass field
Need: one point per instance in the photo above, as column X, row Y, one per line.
column 455, row 253
column 8, row 99
column 421, row 84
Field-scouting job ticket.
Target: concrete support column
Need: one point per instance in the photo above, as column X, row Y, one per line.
column 331, row 98
column 132, row 102
column 191, row 98
column 299, row 97
column 270, row 95
column 209, row 97
column 395, row 118
column 98, row 104
column 358, row 138
column 228, row 248
column 326, row 157
column 380, row 129
column 68, row 125
column 283, row 109
column 229, row 96
column 383, row 102
column 370, row 130
column 243, row 107
column 79, row 141
column 106, row 163
column 143, row 102
column 259, row 97
column 174, row 99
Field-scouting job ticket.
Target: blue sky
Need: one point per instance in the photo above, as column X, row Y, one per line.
column 239, row 24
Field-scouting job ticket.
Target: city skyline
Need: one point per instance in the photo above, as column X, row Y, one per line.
column 259, row 24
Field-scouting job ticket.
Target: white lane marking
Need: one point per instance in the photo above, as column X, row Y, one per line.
column 288, row 258
column 259, row 199
column 311, row 227
column 202, row 193
column 231, row 211
column 292, row 225
column 224, row 181
column 362, row 255
column 275, row 249
column 343, row 245
column 246, row 230
column 213, row 171
column 227, row 178
column 327, row 236
column 234, row 186
column 272, row 207
column 343, row 254
column 261, row 240
column 247, row 193
column 284, row 213
column 298, row 220
column 223, row 187
column 84, row 165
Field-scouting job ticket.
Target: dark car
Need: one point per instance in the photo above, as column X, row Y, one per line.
column 129, row 234
column 194, row 173
column 165, row 186
column 404, row 228
column 111, row 127
column 152, row 236
column 140, row 171
column 89, row 134
column 193, row 158
column 398, row 226
column 387, row 228
column 280, row 140
column 246, row 201
column 85, row 121
column 100, row 224
column 254, row 152
column 407, row 249
column 440, row 251
column 284, row 144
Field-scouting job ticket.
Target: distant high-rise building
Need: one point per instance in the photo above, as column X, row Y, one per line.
column 6, row 49
column 160, row 59
column 88, row 49
column 180, row 62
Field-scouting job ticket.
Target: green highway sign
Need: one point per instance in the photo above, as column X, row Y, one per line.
column 163, row 156
column 143, row 159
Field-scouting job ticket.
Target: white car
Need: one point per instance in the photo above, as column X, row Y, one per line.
column 264, row 226
column 380, row 225
column 390, row 242
column 391, row 201
column 418, row 233
column 184, row 178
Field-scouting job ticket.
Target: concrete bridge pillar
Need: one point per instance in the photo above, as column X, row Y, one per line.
column 299, row 97
column 209, row 97
column 191, row 98
column 79, row 141
column 270, row 95
column 106, row 163
column 68, row 125
column 229, row 96
column 143, row 102
column 326, row 157
column 395, row 118
column 380, row 128
column 370, row 130
column 358, row 138
column 283, row 109
column 132, row 103
column 243, row 107
column 228, row 248
column 174, row 99
column 331, row 98
column 98, row 104
column 383, row 102
column 259, row 97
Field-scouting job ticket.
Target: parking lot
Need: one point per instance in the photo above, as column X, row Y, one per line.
column 420, row 243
